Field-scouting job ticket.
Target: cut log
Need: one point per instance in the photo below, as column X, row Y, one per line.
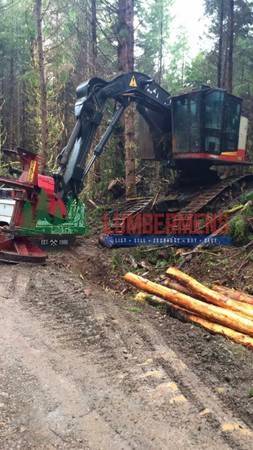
column 215, row 328
column 185, row 316
column 177, row 286
column 235, row 336
column 172, row 284
column 213, row 313
column 209, row 295
column 239, row 296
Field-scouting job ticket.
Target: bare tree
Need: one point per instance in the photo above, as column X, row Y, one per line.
column 94, row 50
column 94, row 55
column 43, row 85
column 220, row 56
column 226, row 44
column 126, row 64
column 231, row 26
column 161, row 44
column 11, row 124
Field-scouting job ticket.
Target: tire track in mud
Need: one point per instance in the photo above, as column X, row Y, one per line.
column 137, row 390
column 187, row 385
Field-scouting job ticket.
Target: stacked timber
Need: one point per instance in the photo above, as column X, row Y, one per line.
column 220, row 310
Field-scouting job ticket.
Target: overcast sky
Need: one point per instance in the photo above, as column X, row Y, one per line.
column 189, row 14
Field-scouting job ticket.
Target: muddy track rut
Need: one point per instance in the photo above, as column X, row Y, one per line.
column 78, row 370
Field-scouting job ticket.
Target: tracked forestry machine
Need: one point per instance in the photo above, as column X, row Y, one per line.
column 191, row 132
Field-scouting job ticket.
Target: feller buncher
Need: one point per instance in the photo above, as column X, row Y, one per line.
column 192, row 131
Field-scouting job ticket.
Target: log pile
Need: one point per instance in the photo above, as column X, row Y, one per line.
column 220, row 310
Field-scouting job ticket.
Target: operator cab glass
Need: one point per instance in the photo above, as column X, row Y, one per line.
column 186, row 114
column 205, row 121
column 213, row 103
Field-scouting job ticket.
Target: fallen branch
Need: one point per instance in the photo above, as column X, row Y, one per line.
column 188, row 255
column 234, row 209
column 209, row 295
column 239, row 296
column 245, row 261
column 210, row 312
column 155, row 200
column 92, row 203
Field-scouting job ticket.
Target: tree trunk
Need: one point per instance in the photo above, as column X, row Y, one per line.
column 126, row 64
column 210, row 312
column 160, row 70
column 126, row 35
column 94, row 53
column 82, row 63
column 231, row 46
column 161, row 26
column 130, row 152
column 11, row 124
column 43, row 86
column 220, row 56
column 177, row 287
column 224, row 77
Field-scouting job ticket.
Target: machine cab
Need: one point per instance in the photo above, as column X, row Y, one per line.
column 206, row 126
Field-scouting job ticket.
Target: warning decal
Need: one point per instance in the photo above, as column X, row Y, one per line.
column 133, row 82
column 31, row 172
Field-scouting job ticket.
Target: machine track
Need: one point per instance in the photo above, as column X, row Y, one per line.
column 202, row 199
column 206, row 200
column 136, row 205
column 131, row 208
column 207, row 196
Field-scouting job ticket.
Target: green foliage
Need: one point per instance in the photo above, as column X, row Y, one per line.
column 175, row 76
column 153, row 36
column 251, row 392
column 242, row 51
column 117, row 262
column 66, row 33
column 67, row 38
column 246, row 197
column 239, row 230
column 135, row 309
column 243, row 15
column 161, row 264
column 95, row 217
column 248, row 210
column 201, row 70
column 159, row 258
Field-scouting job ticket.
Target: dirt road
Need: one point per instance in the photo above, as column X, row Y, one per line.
column 80, row 370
